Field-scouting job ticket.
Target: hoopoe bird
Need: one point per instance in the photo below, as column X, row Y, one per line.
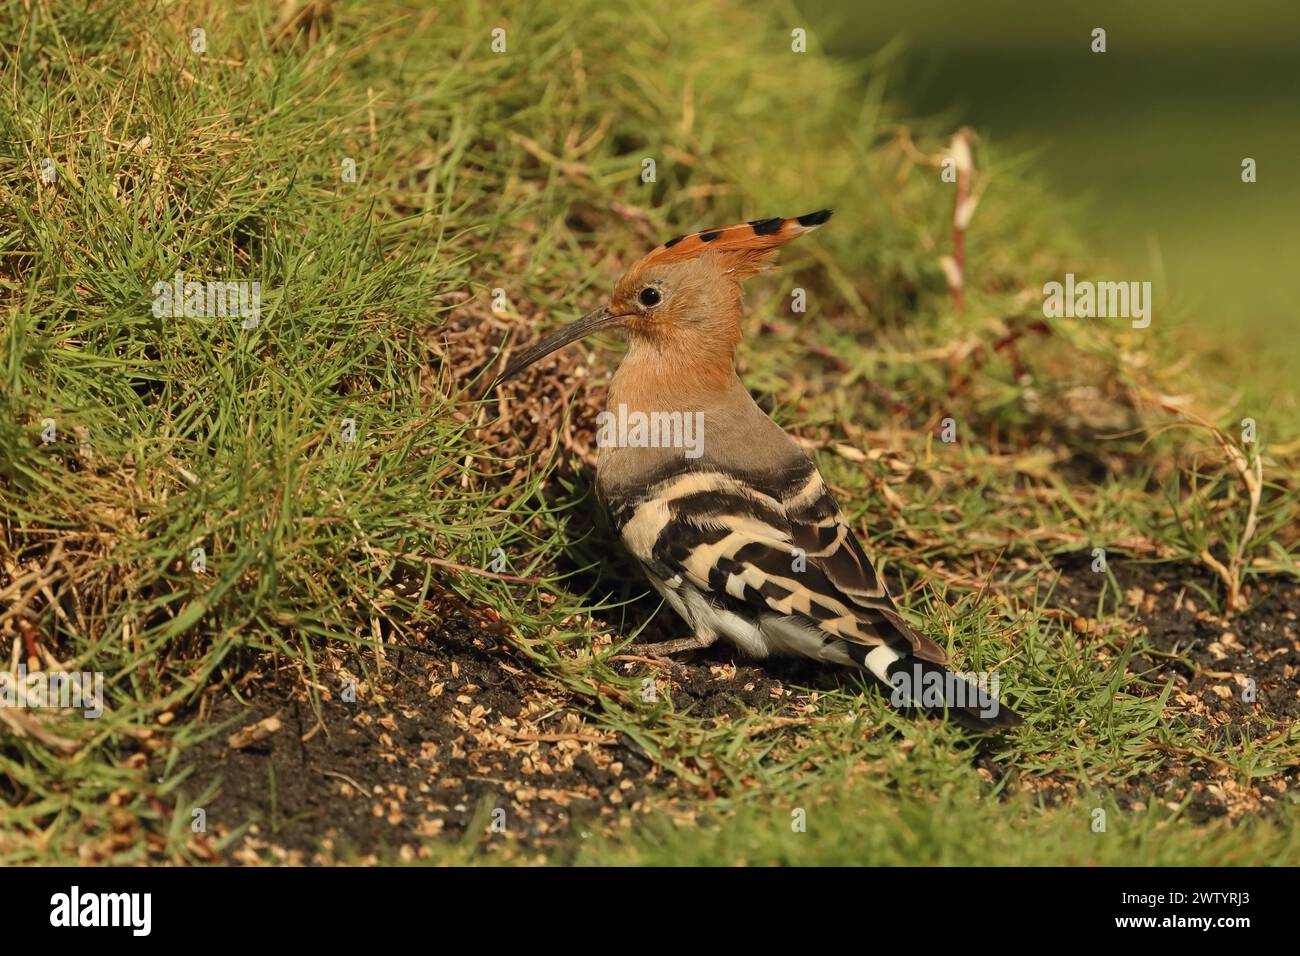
column 742, row 538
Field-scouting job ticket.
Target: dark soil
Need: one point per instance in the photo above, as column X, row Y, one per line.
column 438, row 744
column 451, row 733
column 1232, row 677
column 1213, row 660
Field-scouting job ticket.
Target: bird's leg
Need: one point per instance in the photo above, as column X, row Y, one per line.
column 695, row 643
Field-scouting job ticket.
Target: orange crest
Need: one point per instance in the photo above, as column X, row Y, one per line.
column 745, row 247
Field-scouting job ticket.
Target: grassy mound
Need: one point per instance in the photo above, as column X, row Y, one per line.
column 207, row 512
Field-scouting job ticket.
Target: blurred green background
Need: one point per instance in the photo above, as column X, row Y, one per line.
column 1149, row 136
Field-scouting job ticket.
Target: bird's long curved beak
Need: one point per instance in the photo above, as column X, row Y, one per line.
column 590, row 323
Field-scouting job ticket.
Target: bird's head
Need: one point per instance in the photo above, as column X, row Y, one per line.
column 685, row 294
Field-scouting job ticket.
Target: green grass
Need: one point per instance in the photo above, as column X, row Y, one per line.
column 862, row 824
column 521, row 171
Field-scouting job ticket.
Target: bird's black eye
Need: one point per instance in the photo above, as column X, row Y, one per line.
column 649, row 297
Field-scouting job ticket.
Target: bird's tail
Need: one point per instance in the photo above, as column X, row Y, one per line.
column 973, row 703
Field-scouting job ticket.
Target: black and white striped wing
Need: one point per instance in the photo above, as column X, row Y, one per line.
column 768, row 544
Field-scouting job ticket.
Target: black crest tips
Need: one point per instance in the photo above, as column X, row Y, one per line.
column 814, row 218
column 750, row 241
